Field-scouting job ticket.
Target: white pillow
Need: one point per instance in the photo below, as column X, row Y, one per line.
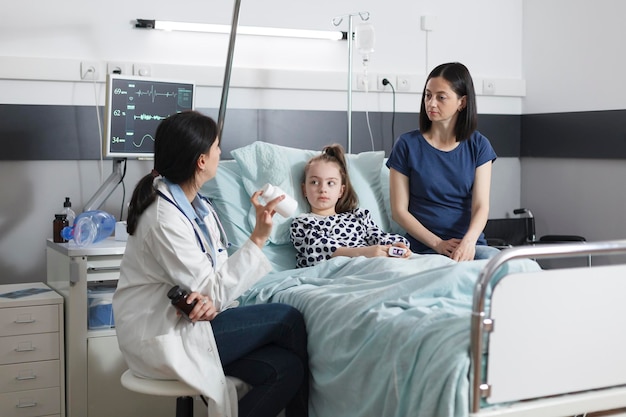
column 282, row 166
column 231, row 201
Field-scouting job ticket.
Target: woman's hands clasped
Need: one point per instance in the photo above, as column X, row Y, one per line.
column 457, row 249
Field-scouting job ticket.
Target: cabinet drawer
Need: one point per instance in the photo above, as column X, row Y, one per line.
column 29, row 320
column 29, row 375
column 103, row 268
column 28, row 348
column 38, row 402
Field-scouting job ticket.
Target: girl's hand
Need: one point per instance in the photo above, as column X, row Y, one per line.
column 407, row 251
column 264, row 221
column 375, row 251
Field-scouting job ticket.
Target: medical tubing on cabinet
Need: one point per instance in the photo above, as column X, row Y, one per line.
column 90, row 227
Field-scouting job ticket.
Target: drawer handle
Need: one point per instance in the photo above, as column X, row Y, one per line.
column 103, row 268
column 29, row 349
column 25, row 347
column 26, row 404
column 25, row 318
column 25, row 378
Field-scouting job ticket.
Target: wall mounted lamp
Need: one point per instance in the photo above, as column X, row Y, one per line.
column 241, row 30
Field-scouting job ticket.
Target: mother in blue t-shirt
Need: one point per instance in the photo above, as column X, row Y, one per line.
column 440, row 175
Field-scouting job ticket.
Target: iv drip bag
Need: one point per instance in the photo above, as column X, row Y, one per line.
column 364, row 37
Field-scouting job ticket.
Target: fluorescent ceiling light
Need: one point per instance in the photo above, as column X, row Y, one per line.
column 241, row 30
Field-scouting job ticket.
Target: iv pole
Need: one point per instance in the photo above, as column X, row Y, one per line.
column 337, row 21
column 228, row 69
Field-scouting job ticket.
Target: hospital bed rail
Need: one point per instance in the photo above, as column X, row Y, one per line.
column 481, row 322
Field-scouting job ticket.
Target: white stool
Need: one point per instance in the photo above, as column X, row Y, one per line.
column 167, row 388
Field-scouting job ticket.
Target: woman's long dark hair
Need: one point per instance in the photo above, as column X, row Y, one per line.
column 461, row 83
column 335, row 153
column 178, row 143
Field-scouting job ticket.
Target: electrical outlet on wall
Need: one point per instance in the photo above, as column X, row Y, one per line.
column 403, row 83
column 385, row 87
column 143, row 70
column 89, row 70
column 116, row 67
column 363, row 82
column 489, row 87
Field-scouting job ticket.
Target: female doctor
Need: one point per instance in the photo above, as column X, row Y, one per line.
column 175, row 238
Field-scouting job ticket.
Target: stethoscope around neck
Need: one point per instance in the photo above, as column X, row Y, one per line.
column 223, row 236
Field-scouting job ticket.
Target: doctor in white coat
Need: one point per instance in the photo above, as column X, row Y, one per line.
column 175, row 238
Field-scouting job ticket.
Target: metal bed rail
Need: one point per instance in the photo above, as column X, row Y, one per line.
column 480, row 320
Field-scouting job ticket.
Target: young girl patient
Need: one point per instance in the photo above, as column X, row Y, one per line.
column 336, row 226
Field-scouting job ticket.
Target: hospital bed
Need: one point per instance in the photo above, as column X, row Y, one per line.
column 426, row 336
column 550, row 342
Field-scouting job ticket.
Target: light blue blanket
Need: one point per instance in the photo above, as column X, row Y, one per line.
column 387, row 337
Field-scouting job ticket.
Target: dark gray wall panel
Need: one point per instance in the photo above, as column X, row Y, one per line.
column 597, row 134
column 55, row 132
column 40, row 132
column 503, row 131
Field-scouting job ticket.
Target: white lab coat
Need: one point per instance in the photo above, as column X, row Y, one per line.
column 156, row 343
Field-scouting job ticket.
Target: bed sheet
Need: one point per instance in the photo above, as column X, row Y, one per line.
column 387, row 337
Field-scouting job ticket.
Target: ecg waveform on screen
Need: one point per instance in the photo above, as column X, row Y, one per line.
column 149, row 117
column 143, row 139
column 153, row 93
column 137, row 106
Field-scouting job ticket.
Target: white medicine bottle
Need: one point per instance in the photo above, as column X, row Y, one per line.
column 69, row 213
column 285, row 208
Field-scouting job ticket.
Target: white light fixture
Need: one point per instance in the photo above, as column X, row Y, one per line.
column 241, row 30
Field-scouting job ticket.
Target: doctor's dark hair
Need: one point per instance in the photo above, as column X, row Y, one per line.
column 335, row 154
column 461, row 83
column 178, row 143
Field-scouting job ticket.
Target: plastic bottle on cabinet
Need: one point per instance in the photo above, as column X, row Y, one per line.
column 69, row 213
column 90, row 227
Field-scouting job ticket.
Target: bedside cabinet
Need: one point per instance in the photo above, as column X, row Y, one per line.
column 32, row 380
column 93, row 361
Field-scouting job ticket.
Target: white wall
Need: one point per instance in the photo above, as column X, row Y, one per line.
column 573, row 61
column 572, row 55
column 43, row 43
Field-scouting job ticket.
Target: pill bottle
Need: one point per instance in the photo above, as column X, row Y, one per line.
column 285, row 208
column 59, row 222
column 178, row 297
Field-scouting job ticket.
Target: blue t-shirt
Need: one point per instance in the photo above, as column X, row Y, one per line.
column 440, row 182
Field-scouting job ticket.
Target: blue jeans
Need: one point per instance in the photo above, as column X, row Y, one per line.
column 482, row 252
column 485, row 252
column 265, row 345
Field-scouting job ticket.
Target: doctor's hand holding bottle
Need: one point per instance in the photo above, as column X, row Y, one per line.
column 264, row 218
